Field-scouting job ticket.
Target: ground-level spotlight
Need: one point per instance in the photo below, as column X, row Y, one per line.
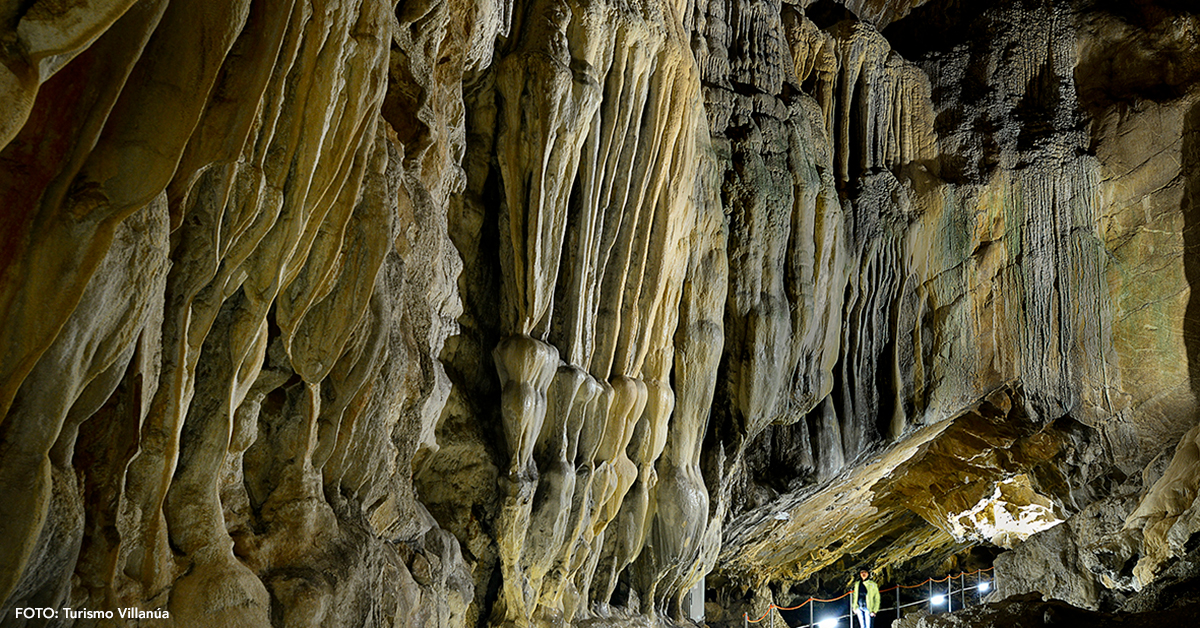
column 985, row 585
column 830, row 622
column 937, row 599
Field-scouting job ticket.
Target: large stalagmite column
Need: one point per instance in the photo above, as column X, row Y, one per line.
column 596, row 128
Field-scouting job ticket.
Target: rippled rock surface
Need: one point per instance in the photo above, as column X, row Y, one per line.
column 547, row 312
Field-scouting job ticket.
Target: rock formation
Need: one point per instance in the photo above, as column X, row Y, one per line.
column 499, row 313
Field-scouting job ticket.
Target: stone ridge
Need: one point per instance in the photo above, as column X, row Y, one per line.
column 556, row 312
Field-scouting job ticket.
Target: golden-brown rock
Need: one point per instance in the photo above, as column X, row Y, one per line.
column 478, row 312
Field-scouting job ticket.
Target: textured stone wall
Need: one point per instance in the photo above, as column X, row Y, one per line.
column 227, row 278
column 492, row 313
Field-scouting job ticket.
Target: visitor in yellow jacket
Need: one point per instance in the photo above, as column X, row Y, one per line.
column 864, row 600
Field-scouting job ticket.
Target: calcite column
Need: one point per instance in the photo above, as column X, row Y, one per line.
column 679, row 498
column 526, row 369
column 597, row 171
column 549, row 523
column 615, row 471
column 626, row 535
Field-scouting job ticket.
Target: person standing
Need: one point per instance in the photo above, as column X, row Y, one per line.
column 864, row 601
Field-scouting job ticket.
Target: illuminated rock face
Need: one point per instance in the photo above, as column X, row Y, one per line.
column 461, row 313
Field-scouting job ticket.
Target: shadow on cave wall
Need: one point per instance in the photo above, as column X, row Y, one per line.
column 1190, row 208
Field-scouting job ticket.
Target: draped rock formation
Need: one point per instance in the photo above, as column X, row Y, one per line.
column 548, row 312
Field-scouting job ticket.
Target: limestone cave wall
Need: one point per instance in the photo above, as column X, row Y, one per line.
column 541, row 313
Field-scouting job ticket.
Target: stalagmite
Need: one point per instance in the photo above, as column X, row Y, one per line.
column 549, row 530
column 626, row 534
column 526, row 368
column 563, row 587
column 615, row 472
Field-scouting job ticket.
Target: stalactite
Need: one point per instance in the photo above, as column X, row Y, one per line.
column 296, row 297
column 680, row 499
column 596, row 272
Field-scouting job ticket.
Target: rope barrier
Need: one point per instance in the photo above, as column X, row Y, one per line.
column 793, row 608
column 811, row 599
column 772, row 606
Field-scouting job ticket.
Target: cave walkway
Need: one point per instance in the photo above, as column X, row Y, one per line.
column 932, row 596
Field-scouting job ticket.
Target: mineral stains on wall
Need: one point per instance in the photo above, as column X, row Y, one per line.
column 480, row 312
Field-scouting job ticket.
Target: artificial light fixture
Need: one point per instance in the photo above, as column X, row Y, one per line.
column 937, row 599
column 985, row 585
column 828, row 623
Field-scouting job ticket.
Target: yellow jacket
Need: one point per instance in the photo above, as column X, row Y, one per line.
column 872, row 595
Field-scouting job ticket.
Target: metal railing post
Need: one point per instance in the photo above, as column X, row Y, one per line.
column 898, row 601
